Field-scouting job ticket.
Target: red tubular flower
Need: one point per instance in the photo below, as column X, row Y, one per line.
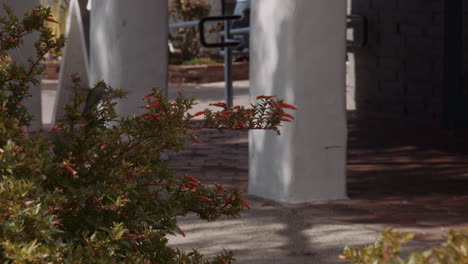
column 249, row 112
column 275, row 104
column 173, row 104
column 220, row 187
column 195, row 180
column 154, row 116
column 104, row 146
column 136, row 249
column 285, row 120
column 287, row 115
column 199, row 113
column 19, row 104
column 196, row 140
column 225, row 116
column 49, row 19
column 143, row 115
column 223, row 261
column 69, row 168
column 183, row 187
column 236, row 107
column 227, row 112
column 220, row 104
column 235, row 124
column 204, row 198
column 55, row 128
column 194, row 190
column 242, row 124
column 285, row 105
column 155, row 100
column 148, row 95
column 35, row 11
column 244, row 203
column 264, row 97
column 150, row 106
column 181, row 231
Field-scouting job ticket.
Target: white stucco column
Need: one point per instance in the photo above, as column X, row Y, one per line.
column 21, row 55
column 298, row 53
column 74, row 60
column 128, row 47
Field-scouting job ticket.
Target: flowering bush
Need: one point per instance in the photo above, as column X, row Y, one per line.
column 94, row 189
column 386, row 250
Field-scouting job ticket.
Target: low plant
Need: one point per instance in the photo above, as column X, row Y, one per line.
column 95, row 189
column 387, row 249
column 198, row 61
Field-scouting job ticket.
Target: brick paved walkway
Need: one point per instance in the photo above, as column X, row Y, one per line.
column 405, row 174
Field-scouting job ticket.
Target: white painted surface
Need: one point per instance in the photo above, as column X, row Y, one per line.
column 129, row 47
column 298, row 53
column 75, row 60
column 22, row 54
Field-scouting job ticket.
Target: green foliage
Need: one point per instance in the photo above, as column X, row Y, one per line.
column 386, row 250
column 177, row 59
column 94, row 189
column 198, row 61
column 187, row 38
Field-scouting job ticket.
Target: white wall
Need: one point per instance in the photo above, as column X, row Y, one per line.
column 298, row 53
column 128, row 47
column 21, row 55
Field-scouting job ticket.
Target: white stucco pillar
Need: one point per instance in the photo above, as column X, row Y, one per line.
column 21, row 55
column 74, row 60
column 298, row 53
column 128, row 47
